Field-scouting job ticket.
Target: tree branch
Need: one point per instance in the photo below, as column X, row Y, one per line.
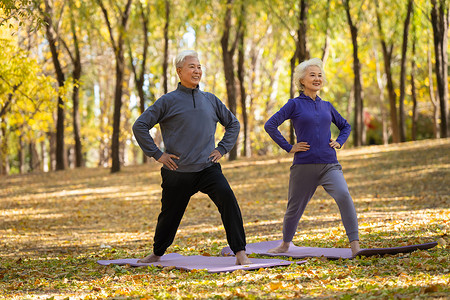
column 282, row 20
column 108, row 24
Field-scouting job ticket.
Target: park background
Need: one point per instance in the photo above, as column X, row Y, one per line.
column 74, row 75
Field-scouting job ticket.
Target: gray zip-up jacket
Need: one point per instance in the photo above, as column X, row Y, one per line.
column 188, row 119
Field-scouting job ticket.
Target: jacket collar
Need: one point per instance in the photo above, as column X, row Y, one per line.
column 182, row 88
column 304, row 97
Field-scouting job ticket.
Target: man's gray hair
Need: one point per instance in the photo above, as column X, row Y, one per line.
column 300, row 71
column 179, row 60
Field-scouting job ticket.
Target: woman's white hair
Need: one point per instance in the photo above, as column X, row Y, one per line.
column 300, row 71
column 179, row 60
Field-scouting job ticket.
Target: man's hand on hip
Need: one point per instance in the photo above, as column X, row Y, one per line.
column 166, row 159
column 215, row 156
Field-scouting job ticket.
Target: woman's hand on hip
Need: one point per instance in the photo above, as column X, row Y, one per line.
column 334, row 144
column 300, row 147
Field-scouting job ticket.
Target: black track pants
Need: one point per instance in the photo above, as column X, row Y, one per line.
column 179, row 187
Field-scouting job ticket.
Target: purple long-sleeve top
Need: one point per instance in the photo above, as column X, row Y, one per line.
column 311, row 120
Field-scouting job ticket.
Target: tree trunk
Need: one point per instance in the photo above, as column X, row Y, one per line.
column 76, row 74
column 246, row 149
column 293, row 61
column 44, row 156
column 434, row 101
column 255, row 54
column 358, row 116
column 31, row 161
column 351, row 99
column 21, row 154
column 228, row 65
column 76, row 116
column 139, row 73
column 301, row 53
column 166, row 46
column 120, row 67
column 4, row 161
column 52, row 149
column 326, row 46
column 401, row 107
column 391, row 95
column 52, row 41
column 34, row 162
column 243, row 96
column 302, row 41
column 381, row 84
column 415, row 115
column 440, row 13
column 104, row 120
column 115, row 146
column 387, row 57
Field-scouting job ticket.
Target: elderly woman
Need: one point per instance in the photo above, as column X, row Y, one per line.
column 315, row 161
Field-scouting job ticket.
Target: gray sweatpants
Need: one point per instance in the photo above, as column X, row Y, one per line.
column 303, row 182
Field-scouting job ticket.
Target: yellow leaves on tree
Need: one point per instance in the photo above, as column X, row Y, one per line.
column 26, row 95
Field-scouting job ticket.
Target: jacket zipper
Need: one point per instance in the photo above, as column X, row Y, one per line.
column 193, row 98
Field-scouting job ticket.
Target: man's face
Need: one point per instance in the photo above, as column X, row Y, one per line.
column 190, row 73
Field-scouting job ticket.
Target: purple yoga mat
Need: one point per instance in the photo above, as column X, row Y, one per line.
column 331, row 253
column 212, row 264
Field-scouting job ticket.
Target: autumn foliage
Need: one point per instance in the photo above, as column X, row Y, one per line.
column 55, row 226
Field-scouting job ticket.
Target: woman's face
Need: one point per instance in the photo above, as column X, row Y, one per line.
column 313, row 80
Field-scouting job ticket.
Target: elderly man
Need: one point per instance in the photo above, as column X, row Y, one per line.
column 188, row 119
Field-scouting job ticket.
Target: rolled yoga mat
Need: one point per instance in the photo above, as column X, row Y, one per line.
column 212, row 264
column 331, row 253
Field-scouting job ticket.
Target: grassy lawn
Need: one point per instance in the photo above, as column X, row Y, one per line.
column 55, row 226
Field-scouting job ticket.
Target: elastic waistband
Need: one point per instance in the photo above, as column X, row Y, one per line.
column 192, row 167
